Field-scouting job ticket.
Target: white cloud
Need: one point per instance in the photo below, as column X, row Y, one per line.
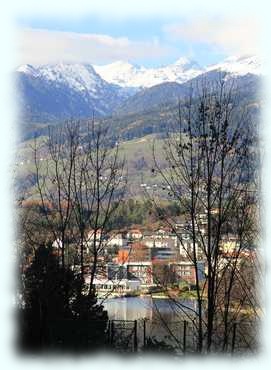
column 38, row 46
column 229, row 35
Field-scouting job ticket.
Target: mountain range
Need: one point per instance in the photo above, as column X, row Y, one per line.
column 126, row 74
column 56, row 92
column 137, row 104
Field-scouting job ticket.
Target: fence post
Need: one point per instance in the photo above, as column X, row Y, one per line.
column 135, row 336
column 184, row 335
column 233, row 337
column 109, row 332
column 112, row 333
column 144, row 333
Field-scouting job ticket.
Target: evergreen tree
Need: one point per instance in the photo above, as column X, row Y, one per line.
column 56, row 311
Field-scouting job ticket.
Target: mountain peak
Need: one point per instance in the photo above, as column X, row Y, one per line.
column 126, row 74
column 186, row 63
column 66, row 90
column 27, row 69
column 122, row 63
column 119, row 72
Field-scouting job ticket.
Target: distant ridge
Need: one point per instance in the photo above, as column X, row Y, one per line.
column 59, row 91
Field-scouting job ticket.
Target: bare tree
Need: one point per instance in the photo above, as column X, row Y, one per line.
column 79, row 187
column 211, row 159
column 98, row 189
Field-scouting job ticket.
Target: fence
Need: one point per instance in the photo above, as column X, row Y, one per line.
column 143, row 335
column 123, row 335
column 179, row 337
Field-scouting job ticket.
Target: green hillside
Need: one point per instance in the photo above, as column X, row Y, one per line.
column 138, row 155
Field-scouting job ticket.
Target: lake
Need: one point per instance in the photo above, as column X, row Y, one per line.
column 164, row 318
column 135, row 308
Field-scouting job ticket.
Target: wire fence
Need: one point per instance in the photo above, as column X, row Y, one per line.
column 181, row 337
column 131, row 336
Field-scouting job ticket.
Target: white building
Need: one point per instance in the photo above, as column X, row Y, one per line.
column 115, row 287
column 117, row 240
column 187, row 248
column 161, row 239
column 141, row 270
column 134, row 234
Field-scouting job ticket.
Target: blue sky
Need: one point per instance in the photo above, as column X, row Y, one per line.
column 148, row 41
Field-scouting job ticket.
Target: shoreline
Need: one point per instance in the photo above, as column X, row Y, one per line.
column 151, row 295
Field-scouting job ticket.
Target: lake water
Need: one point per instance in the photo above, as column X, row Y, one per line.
column 135, row 308
column 164, row 318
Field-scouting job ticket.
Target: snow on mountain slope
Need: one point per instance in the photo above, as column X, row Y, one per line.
column 245, row 72
column 66, row 90
column 27, row 69
column 79, row 77
column 128, row 75
column 77, row 90
column 239, row 66
column 120, row 73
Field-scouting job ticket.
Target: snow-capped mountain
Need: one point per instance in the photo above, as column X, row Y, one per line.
column 239, row 66
column 120, row 73
column 65, row 90
column 245, row 71
column 126, row 74
column 76, row 76
column 129, row 75
column 60, row 91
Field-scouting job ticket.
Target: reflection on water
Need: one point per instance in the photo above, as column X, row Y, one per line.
column 134, row 308
column 165, row 318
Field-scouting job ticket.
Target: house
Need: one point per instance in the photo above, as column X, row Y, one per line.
column 134, row 234
column 202, row 218
column 117, row 240
column 116, row 287
column 200, row 226
column 116, row 271
column 186, row 271
column 141, row 270
column 135, row 252
column 163, row 254
column 186, row 248
column 163, row 231
column 160, row 239
column 166, row 242
column 149, row 241
column 229, row 243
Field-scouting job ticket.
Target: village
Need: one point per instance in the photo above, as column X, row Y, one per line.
column 160, row 262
